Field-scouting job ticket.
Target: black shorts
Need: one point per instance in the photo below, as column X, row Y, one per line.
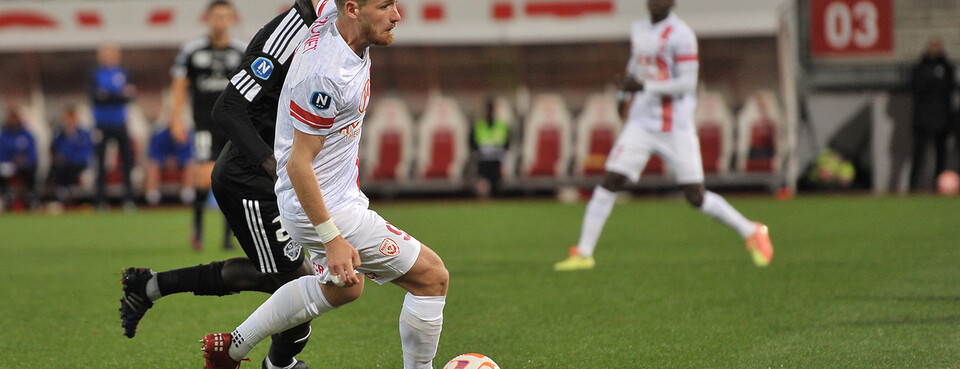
column 256, row 224
column 207, row 145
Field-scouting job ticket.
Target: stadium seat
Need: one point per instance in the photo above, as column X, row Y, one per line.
column 546, row 138
column 759, row 148
column 597, row 129
column 442, row 136
column 388, row 142
column 715, row 130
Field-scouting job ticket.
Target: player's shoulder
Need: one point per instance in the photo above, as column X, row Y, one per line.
column 681, row 28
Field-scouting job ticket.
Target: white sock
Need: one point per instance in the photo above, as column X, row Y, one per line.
column 421, row 320
column 717, row 208
column 153, row 289
column 152, row 197
column 294, row 303
column 598, row 210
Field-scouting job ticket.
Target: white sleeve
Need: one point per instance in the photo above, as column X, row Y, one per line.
column 313, row 106
column 684, row 81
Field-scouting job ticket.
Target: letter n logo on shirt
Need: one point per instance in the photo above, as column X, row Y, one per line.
column 320, row 100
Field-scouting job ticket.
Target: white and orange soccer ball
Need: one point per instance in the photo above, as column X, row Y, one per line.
column 471, row 361
column 948, row 183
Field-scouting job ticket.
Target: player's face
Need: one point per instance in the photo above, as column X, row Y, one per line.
column 109, row 55
column 377, row 19
column 659, row 8
column 220, row 18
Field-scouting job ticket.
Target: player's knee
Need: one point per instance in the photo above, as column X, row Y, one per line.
column 339, row 296
column 613, row 182
column 694, row 195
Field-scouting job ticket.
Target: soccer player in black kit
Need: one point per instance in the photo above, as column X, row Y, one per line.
column 242, row 183
column 202, row 70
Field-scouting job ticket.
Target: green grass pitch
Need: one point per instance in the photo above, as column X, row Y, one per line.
column 856, row 282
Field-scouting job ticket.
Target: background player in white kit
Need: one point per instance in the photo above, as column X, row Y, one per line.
column 319, row 121
column 661, row 86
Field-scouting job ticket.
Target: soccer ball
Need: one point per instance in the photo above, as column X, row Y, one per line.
column 471, row 361
column 948, row 183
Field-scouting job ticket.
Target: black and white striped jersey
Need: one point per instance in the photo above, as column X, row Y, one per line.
column 247, row 109
column 208, row 69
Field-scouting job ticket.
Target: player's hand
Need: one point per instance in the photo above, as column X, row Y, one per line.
column 342, row 260
column 630, row 84
column 270, row 166
column 177, row 130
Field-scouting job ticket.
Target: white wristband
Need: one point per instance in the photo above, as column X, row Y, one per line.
column 327, row 230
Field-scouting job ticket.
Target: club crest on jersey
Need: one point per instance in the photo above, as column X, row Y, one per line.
column 262, row 68
column 320, row 100
column 292, row 250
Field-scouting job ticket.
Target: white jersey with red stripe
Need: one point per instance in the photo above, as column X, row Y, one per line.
column 325, row 94
column 658, row 54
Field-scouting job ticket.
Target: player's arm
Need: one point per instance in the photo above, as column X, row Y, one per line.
column 179, row 89
column 178, row 98
column 230, row 111
column 342, row 258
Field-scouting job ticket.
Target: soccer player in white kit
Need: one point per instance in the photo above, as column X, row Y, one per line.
column 319, row 122
column 661, row 86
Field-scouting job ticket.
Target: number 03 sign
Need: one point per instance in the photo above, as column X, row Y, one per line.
column 851, row 28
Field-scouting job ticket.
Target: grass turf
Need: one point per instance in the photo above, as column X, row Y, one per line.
column 857, row 282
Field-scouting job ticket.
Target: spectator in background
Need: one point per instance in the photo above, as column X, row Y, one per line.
column 110, row 91
column 70, row 152
column 167, row 153
column 489, row 139
column 200, row 72
column 18, row 160
column 932, row 86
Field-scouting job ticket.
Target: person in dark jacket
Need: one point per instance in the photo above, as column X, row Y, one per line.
column 71, row 151
column 18, row 160
column 932, row 85
column 110, row 91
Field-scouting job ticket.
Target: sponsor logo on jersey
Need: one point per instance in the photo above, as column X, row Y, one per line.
column 262, row 68
column 318, row 268
column 389, row 247
column 292, row 251
column 320, row 100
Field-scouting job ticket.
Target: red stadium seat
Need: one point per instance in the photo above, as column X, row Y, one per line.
column 597, row 128
column 441, row 154
column 711, row 146
column 601, row 141
column 548, row 152
column 762, row 147
column 388, row 155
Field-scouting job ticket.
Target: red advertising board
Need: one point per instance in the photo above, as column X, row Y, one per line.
column 851, row 28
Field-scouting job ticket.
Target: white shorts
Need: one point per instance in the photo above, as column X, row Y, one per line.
column 386, row 252
column 680, row 150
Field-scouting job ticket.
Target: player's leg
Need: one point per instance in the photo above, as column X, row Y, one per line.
column 421, row 318
column 202, row 168
column 293, row 303
column 681, row 151
column 627, row 158
column 272, row 260
column 101, row 148
column 126, row 158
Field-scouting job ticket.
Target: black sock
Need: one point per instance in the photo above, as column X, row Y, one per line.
column 198, row 205
column 283, row 349
column 203, row 279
